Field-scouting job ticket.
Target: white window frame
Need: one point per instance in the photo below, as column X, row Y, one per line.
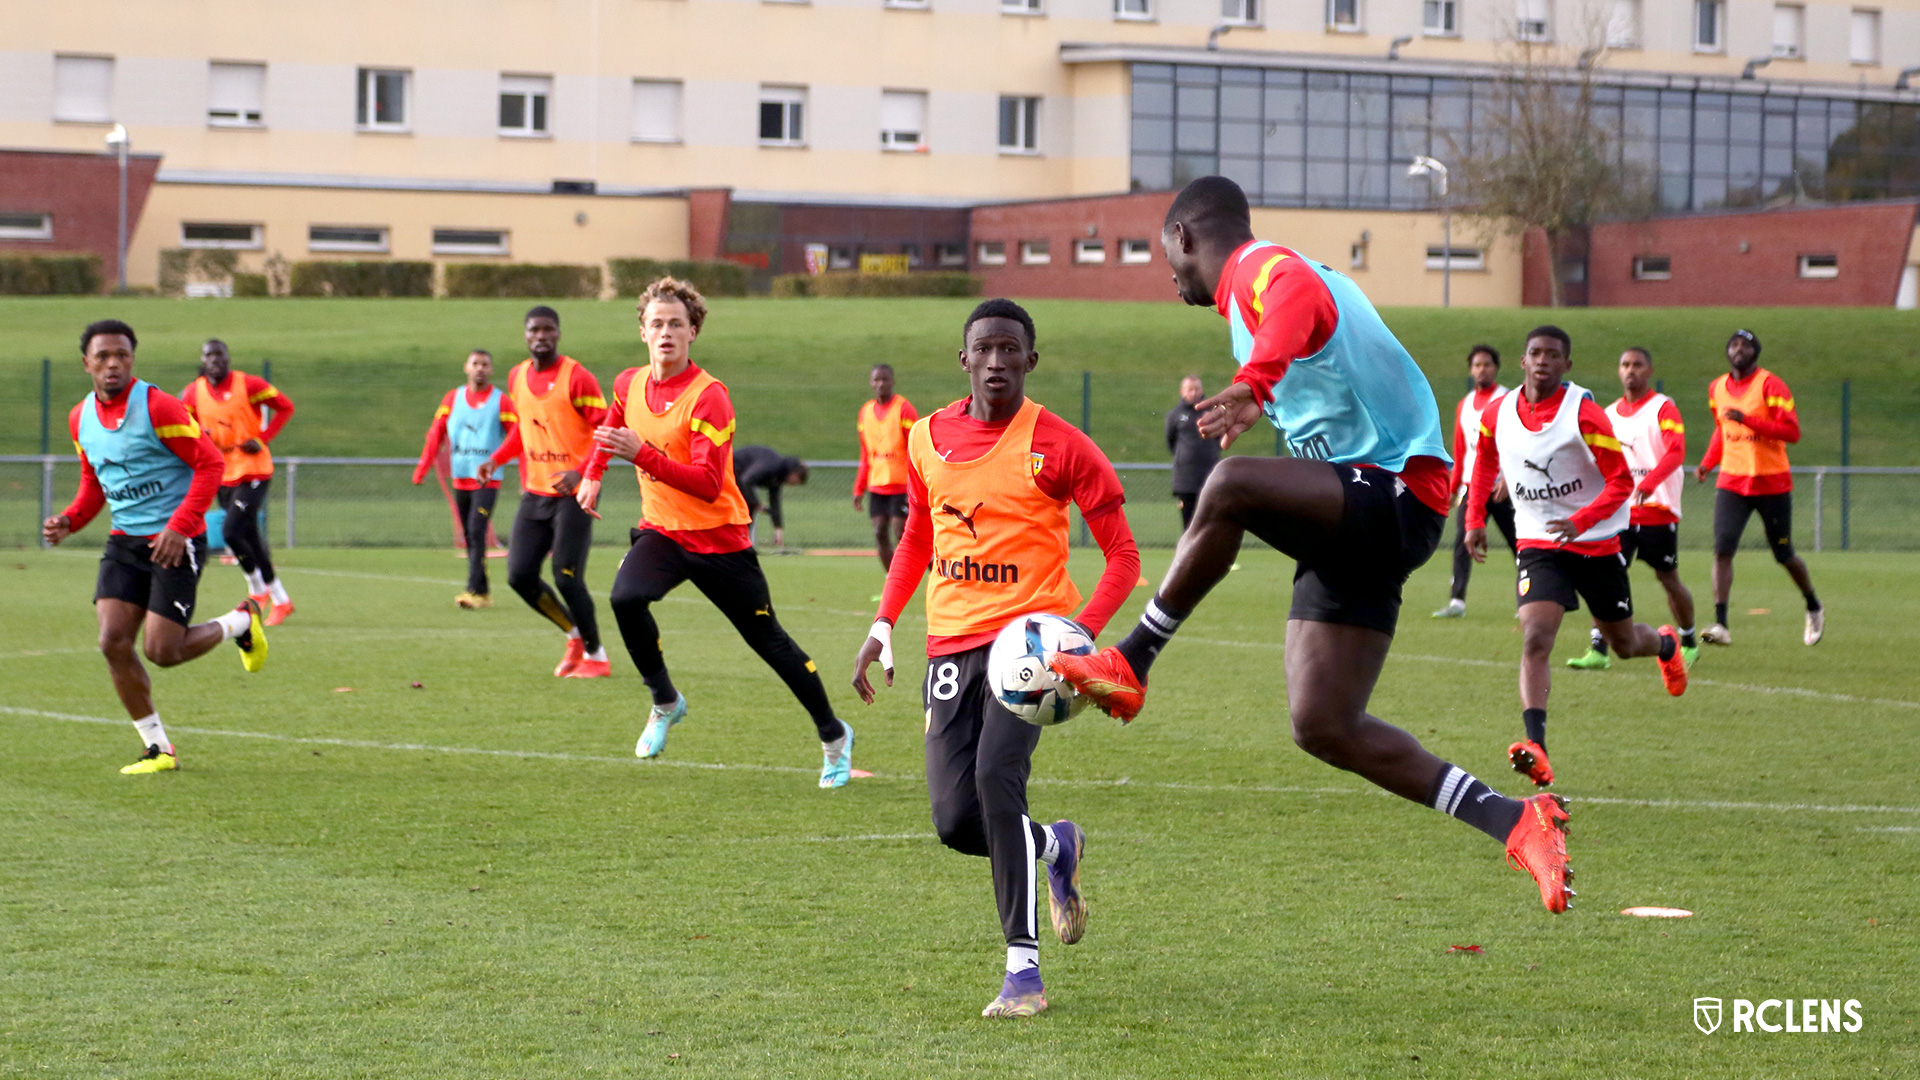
column 1133, row 10
column 366, row 88
column 445, row 243
column 1354, row 25
column 676, row 111
column 69, row 71
column 950, row 255
column 377, row 247
column 255, row 243
column 1796, row 25
column 793, row 103
column 14, row 225
column 1089, row 252
column 1874, row 21
column 906, row 5
column 1036, row 252
column 1653, row 268
column 903, row 140
column 1449, row 10
column 1533, row 20
column 990, row 253
column 1456, row 258
column 842, row 258
column 236, row 114
column 1820, row 267
column 1700, row 12
column 1241, row 12
column 1135, row 252
column 536, row 105
column 1026, row 136
column 1623, row 24
column 1025, row 8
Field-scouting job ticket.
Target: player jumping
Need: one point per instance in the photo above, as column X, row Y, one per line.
column 1360, row 505
column 144, row 458
column 882, row 424
column 989, row 480
column 1483, row 365
column 475, row 420
column 228, row 404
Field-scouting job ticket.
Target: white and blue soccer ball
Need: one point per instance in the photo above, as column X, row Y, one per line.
column 1018, row 674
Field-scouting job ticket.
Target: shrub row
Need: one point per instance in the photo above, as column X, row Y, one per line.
column 717, row 278
column 45, row 275
column 361, row 279
column 521, row 279
column 939, row 283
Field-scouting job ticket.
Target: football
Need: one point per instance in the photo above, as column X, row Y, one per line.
column 1018, row 673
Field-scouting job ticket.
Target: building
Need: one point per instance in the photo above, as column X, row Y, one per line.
column 581, row 130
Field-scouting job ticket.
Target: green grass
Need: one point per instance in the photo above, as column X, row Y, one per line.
column 475, row 878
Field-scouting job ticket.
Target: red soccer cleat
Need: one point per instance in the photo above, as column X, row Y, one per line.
column 576, row 652
column 279, row 613
column 265, row 601
column 1107, row 680
column 1530, row 760
column 1673, row 670
column 590, row 669
column 1538, row 845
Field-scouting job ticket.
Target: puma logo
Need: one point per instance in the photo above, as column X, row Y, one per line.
column 767, row 611
column 1546, row 471
column 183, row 608
column 966, row 518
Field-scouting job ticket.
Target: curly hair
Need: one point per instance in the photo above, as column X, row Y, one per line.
column 672, row 288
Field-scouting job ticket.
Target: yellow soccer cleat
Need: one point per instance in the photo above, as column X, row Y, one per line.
column 253, row 643
column 473, row 601
column 156, row 759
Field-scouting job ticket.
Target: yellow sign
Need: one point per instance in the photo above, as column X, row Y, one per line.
column 883, row 264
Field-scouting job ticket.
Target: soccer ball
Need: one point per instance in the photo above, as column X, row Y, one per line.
column 1017, row 668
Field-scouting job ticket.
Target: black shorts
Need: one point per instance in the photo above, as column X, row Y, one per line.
column 1566, row 578
column 245, row 497
column 1656, row 545
column 1385, row 534
column 886, row 506
column 127, row 573
column 1731, row 511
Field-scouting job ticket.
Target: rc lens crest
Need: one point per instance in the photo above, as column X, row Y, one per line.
column 1706, row 1015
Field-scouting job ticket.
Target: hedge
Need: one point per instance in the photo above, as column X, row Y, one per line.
column 719, row 278
column 45, row 275
column 245, row 284
column 941, row 283
column 361, row 279
column 521, row 279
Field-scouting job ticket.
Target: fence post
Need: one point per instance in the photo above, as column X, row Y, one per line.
column 293, row 480
column 46, row 401
column 1819, row 505
column 1846, row 459
column 46, row 491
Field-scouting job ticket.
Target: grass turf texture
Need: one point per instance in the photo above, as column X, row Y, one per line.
column 298, row 906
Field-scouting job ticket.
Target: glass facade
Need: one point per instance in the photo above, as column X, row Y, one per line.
column 1344, row 139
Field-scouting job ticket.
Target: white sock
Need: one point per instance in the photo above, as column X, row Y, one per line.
column 150, row 730
column 233, row 624
column 573, row 634
column 1051, row 852
column 1022, row 957
column 256, row 585
column 598, row 654
column 834, row 749
column 278, row 592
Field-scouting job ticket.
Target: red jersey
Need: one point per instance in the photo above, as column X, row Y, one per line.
column 1758, row 464
column 583, row 393
column 177, row 429
column 1597, row 433
column 712, row 440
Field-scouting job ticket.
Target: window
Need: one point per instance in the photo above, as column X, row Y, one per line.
column 235, row 93
column 1623, row 25
column 783, row 114
column 1343, row 15
column 1819, row 266
column 1036, row 252
column 1709, row 17
column 1533, row 20
column 656, row 111
column 371, row 238
column 1789, row 30
column 1459, row 258
column 1652, row 267
column 840, row 258
column 523, row 104
column 83, row 89
column 18, row 226
column 469, row 241
column 1240, row 12
column 911, row 5
column 1863, row 42
column 1133, row 9
column 1089, row 251
column 381, row 102
column 1021, row 7
column 1440, row 18
column 1135, row 252
column 950, row 254
column 1019, row 116
column 991, row 253
column 215, row 234
column 903, row 119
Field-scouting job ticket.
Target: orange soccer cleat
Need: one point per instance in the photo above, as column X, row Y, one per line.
column 1673, row 670
column 279, row 613
column 1538, row 845
column 265, row 601
column 590, row 669
column 1107, row 680
column 1530, row 760
column 576, row 652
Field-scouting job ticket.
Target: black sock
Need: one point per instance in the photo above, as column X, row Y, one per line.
column 1668, row 646
column 1720, row 614
column 1813, row 602
column 1458, row 794
column 1686, row 638
column 1597, row 642
column 1150, row 635
column 1536, row 724
column 662, row 687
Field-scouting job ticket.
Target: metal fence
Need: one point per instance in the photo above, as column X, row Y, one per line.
column 368, row 502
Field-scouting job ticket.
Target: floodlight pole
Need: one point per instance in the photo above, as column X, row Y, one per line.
column 117, row 139
column 1430, row 168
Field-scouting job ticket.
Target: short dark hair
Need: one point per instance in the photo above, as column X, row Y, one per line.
column 1210, row 204
column 795, row 468
column 1001, row 308
column 1644, row 354
column 1552, row 331
column 106, row 326
column 877, row 367
column 538, row 310
column 1483, row 347
column 213, row 341
column 480, row 352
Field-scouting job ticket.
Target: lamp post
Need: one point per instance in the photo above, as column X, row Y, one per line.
column 117, row 139
column 1432, row 169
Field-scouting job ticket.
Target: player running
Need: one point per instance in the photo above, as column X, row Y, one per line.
column 674, row 421
column 475, row 419
column 228, row 404
column 1360, row 505
column 1570, row 485
column 1483, row 365
column 1754, row 420
column 882, row 424
column 989, row 479
column 1654, row 442
column 144, row 458
column 558, row 403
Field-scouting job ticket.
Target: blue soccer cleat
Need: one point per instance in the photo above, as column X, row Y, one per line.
column 836, row 771
column 659, row 721
column 1064, row 902
column 1020, row 995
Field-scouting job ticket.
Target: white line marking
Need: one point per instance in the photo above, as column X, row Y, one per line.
column 31, row 654
column 1889, row 828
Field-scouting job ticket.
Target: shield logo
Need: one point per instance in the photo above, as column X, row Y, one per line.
column 1526, row 583
column 1036, row 460
column 1706, row 1015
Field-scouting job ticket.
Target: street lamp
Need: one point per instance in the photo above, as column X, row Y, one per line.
column 1432, row 169
column 118, row 141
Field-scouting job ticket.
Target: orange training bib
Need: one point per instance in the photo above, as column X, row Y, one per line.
column 663, row 505
column 1743, row 453
column 229, row 422
column 886, row 443
column 554, row 437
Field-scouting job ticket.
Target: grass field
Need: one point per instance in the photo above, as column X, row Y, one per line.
column 475, row 878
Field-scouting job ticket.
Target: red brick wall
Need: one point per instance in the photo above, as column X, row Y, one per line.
column 707, row 222
column 82, row 192
column 1112, row 218
column 1711, row 269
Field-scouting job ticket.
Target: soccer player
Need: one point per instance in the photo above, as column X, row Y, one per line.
column 1483, row 365
column 882, row 424
column 762, row 467
column 1360, row 505
column 1754, row 420
column 1654, row 442
column 144, row 458
column 558, row 403
column 475, row 420
column 990, row 478
column 674, row 421
column 228, row 404
column 1193, row 456
column 1570, row 484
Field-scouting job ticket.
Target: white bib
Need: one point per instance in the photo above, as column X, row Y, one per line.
column 1643, row 443
column 1551, row 473
column 1467, row 418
